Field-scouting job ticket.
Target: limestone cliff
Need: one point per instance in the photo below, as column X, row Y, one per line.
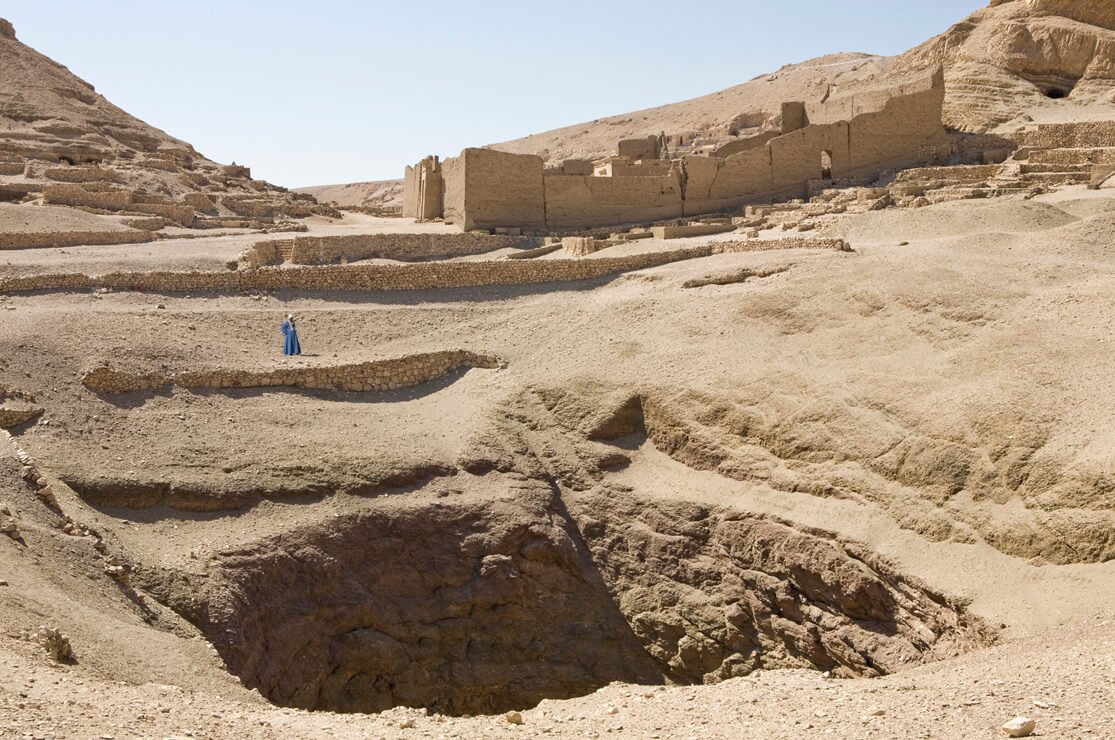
column 1025, row 60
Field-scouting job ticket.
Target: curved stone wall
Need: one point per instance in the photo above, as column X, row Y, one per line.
column 377, row 375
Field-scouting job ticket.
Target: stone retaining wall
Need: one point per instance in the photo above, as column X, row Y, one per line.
column 53, row 239
column 680, row 232
column 378, row 375
column 83, row 174
column 1070, row 157
column 1068, row 135
column 10, row 418
column 181, row 215
column 75, row 195
column 423, row 276
column 324, row 250
column 11, row 168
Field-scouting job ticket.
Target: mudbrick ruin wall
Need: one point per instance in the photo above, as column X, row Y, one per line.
column 423, row 276
column 379, row 375
column 323, row 250
column 853, row 137
column 486, row 189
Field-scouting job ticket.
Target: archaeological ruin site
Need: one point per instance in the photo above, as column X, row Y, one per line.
column 782, row 412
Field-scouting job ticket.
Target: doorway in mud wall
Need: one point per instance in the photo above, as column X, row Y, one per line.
column 826, row 165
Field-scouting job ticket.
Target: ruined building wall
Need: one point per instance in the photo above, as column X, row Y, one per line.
column 486, row 189
column 574, row 202
column 906, row 132
column 855, row 136
column 453, row 200
column 410, row 192
column 424, row 190
column 646, row 148
column 744, row 145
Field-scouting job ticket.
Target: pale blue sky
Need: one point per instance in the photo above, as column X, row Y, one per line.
column 323, row 92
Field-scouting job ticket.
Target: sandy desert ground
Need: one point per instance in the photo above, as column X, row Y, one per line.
column 940, row 396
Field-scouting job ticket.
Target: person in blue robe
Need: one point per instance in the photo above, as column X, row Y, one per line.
column 290, row 332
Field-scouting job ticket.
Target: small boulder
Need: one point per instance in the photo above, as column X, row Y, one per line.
column 1020, row 727
column 515, row 718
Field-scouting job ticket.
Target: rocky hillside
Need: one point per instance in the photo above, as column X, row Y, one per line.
column 1022, row 61
column 1007, row 65
column 742, row 109
column 63, row 143
column 378, row 195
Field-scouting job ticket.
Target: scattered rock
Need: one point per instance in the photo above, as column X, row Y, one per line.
column 515, row 718
column 1019, row 727
column 54, row 642
column 406, row 724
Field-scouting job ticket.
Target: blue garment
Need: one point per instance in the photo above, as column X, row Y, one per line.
column 290, row 344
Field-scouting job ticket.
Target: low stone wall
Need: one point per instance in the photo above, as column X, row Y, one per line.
column 83, row 174
column 680, row 232
column 181, row 215
column 324, row 250
column 1070, row 157
column 12, row 416
column 431, row 276
column 200, row 202
column 11, row 168
column 1068, row 135
column 771, row 245
column 423, row 276
column 378, row 375
column 252, row 207
column 54, row 239
column 75, row 195
column 107, row 380
column 147, row 224
column 960, row 173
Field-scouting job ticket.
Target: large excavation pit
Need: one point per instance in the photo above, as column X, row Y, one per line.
column 470, row 602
